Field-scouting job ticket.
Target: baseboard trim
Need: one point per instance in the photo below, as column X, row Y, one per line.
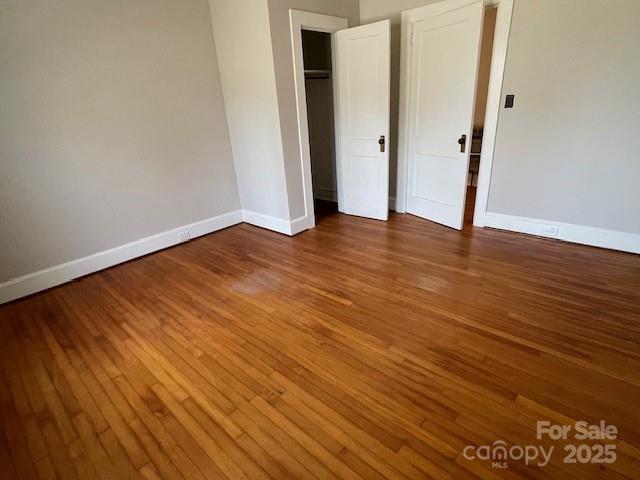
column 286, row 227
column 266, row 221
column 301, row 224
column 59, row 274
column 596, row 237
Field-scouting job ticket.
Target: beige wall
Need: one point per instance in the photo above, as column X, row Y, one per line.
column 569, row 150
column 243, row 39
column 283, row 62
column 112, row 127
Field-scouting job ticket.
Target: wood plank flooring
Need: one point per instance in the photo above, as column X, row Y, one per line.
column 360, row 350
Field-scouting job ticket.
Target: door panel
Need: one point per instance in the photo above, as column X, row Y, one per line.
column 363, row 103
column 444, row 63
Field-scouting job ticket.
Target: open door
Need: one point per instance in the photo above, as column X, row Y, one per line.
column 363, row 119
column 443, row 65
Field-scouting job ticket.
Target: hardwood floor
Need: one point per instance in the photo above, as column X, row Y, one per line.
column 469, row 206
column 360, row 349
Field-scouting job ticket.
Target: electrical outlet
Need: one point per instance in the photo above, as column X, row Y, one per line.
column 184, row 236
column 550, row 231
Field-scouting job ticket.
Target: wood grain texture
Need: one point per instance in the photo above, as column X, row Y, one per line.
column 360, row 350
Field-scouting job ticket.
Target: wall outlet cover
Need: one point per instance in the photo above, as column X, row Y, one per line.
column 550, row 231
column 184, row 236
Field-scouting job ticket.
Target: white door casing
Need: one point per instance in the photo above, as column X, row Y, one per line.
column 444, row 57
column 316, row 22
column 363, row 61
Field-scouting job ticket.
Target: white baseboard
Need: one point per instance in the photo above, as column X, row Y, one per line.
column 597, row 237
column 300, row 225
column 50, row 277
column 286, row 227
column 59, row 274
column 265, row 221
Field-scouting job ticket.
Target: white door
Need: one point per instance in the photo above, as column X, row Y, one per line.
column 363, row 119
column 444, row 55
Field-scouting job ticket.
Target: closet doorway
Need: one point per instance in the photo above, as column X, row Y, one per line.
column 318, row 82
column 342, row 74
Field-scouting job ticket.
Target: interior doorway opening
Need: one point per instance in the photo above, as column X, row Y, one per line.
column 359, row 79
column 318, row 81
column 482, row 90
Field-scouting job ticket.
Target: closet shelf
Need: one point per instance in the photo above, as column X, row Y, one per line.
column 317, row 74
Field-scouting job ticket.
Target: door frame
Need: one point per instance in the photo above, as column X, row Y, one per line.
column 494, row 102
column 300, row 20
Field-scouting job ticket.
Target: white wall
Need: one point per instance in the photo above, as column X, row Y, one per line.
column 112, row 127
column 283, row 63
column 243, row 40
column 569, row 150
